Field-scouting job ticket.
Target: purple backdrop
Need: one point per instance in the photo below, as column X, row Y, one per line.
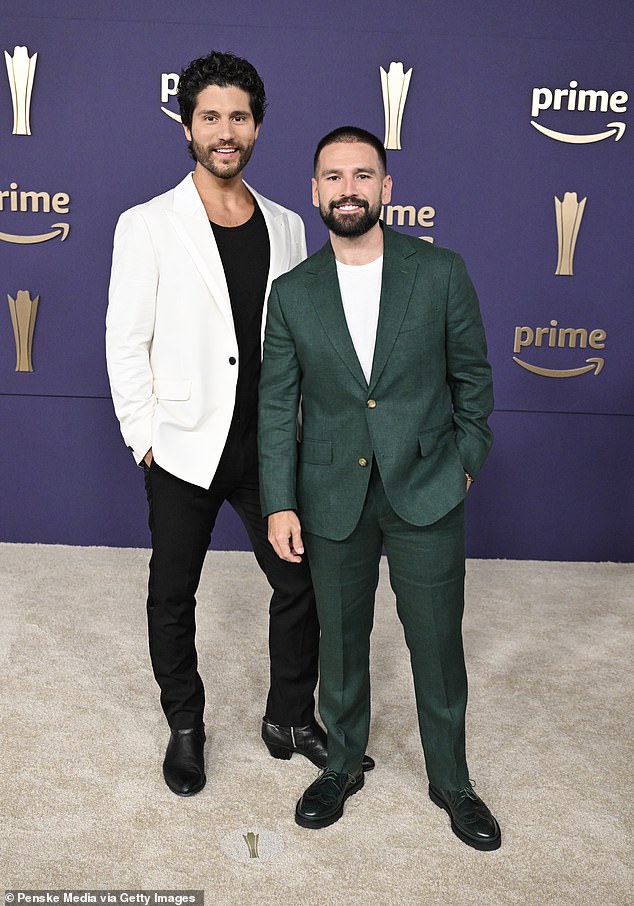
column 558, row 484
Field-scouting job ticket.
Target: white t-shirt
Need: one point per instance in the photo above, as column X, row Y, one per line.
column 360, row 286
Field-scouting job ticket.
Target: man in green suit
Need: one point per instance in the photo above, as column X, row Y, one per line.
column 378, row 339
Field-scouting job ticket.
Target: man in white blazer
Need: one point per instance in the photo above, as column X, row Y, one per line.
column 190, row 275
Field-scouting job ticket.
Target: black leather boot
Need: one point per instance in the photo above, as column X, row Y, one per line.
column 184, row 764
column 310, row 741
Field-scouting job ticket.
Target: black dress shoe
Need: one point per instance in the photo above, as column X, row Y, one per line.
column 184, row 764
column 471, row 820
column 309, row 741
column 322, row 803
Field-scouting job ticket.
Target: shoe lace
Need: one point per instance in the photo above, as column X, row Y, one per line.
column 468, row 790
column 335, row 776
column 329, row 774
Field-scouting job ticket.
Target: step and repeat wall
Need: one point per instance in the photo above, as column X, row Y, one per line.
column 509, row 137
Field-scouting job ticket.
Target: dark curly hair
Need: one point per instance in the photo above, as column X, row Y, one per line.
column 223, row 69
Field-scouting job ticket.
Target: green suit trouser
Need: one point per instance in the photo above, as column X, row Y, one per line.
column 426, row 569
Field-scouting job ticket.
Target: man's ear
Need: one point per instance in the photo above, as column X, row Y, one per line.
column 386, row 191
column 315, row 193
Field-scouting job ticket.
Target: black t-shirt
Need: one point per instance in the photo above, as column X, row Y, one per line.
column 245, row 254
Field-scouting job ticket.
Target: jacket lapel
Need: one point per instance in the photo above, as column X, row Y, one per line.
column 279, row 246
column 399, row 274
column 279, row 237
column 323, row 286
column 191, row 224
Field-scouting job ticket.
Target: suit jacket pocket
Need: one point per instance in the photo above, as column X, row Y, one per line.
column 318, row 452
column 172, row 390
column 419, row 320
column 434, row 438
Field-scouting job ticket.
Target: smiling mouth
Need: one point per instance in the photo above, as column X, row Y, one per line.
column 349, row 206
column 225, row 151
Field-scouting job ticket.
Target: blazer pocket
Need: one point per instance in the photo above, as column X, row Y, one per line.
column 318, row 452
column 434, row 438
column 418, row 320
column 172, row 390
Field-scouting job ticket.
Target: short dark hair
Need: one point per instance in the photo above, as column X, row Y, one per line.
column 348, row 134
column 223, row 69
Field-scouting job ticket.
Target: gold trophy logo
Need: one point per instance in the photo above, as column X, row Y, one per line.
column 394, row 86
column 23, row 311
column 251, row 841
column 21, row 72
column 568, row 213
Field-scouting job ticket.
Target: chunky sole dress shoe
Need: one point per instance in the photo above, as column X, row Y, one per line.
column 184, row 765
column 309, row 741
column 471, row 820
column 322, row 803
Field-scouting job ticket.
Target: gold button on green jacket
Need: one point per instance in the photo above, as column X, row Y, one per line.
column 423, row 415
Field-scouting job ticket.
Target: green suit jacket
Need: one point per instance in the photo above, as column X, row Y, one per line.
column 423, row 415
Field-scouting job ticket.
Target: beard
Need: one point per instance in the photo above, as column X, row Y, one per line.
column 350, row 224
column 205, row 157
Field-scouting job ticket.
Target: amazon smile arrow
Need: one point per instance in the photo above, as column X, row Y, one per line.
column 58, row 229
column 173, row 116
column 594, row 364
column 614, row 129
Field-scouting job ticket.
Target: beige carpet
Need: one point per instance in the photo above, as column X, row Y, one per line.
column 83, row 801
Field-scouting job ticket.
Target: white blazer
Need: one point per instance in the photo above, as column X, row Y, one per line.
column 171, row 346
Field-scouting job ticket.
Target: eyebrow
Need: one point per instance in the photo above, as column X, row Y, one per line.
column 204, row 112
column 332, row 171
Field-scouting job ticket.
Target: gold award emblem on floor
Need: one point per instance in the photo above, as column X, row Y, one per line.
column 252, row 844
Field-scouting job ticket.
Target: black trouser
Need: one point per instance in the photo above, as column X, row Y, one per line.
column 181, row 518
